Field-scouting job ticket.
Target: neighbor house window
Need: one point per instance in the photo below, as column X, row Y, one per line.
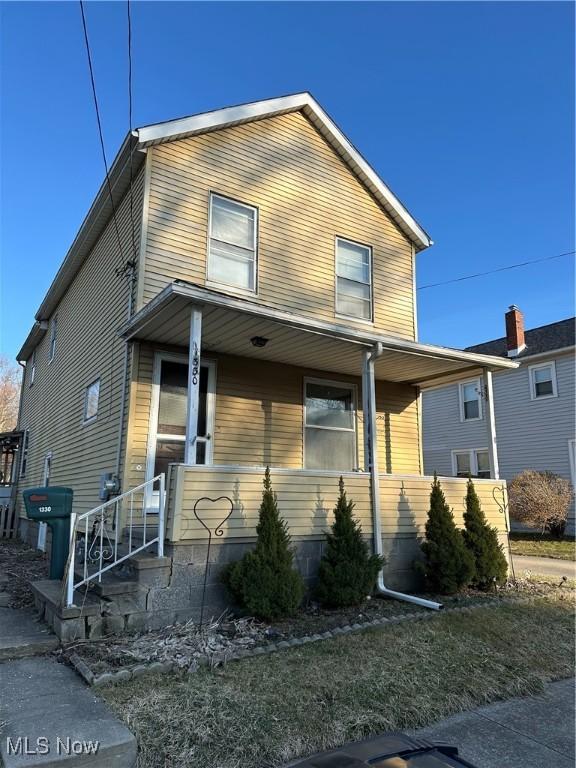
column 353, row 279
column 91, row 398
column 543, row 381
column 233, row 237
column 474, row 462
column 24, row 454
column 329, row 426
column 53, row 331
column 470, row 400
column 32, row 368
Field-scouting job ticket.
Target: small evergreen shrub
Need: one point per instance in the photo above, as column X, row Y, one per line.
column 348, row 571
column 482, row 542
column 448, row 565
column 264, row 581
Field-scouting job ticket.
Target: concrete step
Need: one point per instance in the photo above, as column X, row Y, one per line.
column 47, row 707
column 112, row 583
column 22, row 634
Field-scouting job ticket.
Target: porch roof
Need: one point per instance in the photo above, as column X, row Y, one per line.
column 229, row 324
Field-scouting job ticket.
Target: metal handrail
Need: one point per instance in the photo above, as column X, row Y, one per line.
column 97, row 544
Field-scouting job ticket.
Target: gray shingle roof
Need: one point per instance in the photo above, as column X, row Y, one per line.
column 547, row 338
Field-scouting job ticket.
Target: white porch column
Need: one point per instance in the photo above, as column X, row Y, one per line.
column 490, row 423
column 193, row 386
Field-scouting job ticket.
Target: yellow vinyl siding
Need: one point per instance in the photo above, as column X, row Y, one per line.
column 306, row 501
column 87, row 347
column 259, row 416
column 305, row 197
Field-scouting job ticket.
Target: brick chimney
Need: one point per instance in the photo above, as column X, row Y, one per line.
column 514, row 331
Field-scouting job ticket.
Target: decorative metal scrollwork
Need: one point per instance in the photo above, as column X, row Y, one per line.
column 501, row 498
column 217, row 531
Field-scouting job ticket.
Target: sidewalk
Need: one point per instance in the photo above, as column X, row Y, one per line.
column 530, row 732
column 544, row 565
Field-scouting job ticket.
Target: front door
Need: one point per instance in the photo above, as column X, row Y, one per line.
column 168, row 416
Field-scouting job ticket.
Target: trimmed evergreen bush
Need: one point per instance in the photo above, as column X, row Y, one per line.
column 482, row 541
column 264, row 581
column 348, row 571
column 448, row 565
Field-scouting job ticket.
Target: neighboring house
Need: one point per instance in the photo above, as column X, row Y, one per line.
column 250, row 298
column 534, row 408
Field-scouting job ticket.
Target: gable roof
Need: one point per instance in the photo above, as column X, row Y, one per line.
column 219, row 119
column 546, row 338
column 131, row 156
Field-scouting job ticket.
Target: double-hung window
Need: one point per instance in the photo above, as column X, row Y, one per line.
column 91, row 397
column 329, row 425
column 53, row 332
column 470, row 400
column 353, row 279
column 232, row 243
column 32, row 368
column 543, row 381
column 24, row 452
column 474, row 462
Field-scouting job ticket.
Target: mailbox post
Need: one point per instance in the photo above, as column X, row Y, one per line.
column 52, row 505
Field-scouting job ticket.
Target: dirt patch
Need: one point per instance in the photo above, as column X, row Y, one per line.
column 20, row 565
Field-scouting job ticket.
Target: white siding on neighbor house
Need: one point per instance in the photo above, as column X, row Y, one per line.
column 531, row 434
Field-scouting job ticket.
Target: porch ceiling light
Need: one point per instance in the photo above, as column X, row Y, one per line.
column 258, row 341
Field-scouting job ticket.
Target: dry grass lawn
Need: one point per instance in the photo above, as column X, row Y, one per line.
column 542, row 546
column 265, row 711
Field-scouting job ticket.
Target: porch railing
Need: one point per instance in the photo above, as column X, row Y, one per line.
column 106, row 536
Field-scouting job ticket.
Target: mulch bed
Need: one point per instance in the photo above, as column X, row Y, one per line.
column 21, row 564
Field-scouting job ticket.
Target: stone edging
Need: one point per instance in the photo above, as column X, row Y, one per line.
column 128, row 673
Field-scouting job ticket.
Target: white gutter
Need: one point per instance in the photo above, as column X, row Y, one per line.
column 369, row 390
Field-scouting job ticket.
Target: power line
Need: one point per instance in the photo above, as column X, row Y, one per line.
column 500, row 269
column 130, row 128
column 88, row 53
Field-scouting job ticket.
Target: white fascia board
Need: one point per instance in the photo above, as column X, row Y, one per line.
column 200, row 296
column 230, row 116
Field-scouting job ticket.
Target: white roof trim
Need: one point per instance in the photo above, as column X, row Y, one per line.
column 305, row 102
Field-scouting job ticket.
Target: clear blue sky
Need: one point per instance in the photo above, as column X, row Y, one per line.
column 465, row 109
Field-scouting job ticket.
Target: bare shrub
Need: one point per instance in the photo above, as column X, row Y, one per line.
column 540, row 500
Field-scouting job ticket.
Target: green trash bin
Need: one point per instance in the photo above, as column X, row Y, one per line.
column 52, row 505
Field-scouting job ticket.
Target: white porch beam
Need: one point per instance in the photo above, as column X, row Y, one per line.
column 193, row 386
column 490, row 420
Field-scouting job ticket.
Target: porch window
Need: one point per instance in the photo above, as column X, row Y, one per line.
column 232, row 250
column 329, row 426
column 474, row 462
column 353, row 279
column 543, row 381
column 91, row 397
column 470, row 401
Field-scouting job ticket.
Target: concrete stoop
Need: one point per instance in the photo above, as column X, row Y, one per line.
column 49, row 718
column 124, row 601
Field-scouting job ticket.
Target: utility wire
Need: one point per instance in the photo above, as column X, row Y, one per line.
column 88, row 53
column 500, row 269
column 130, row 130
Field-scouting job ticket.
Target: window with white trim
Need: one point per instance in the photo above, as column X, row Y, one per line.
column 353, row 279
column 474, row 462
column 53, row 331
column 24, row 452
column 32, row 368
column 329, row 425
column 91, row 398
column 543, row 381
column 470, row 400
column 233, row 243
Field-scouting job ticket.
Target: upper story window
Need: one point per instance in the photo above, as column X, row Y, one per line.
column 32, row 368
column 53, row 332
column 329, row 425
column 353, row 279
column 91, row 398
column 470, row 400
column 233, row 243
column 543, row 381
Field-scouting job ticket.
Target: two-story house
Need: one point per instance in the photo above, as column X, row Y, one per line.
column 534, row 408
column 246, row 299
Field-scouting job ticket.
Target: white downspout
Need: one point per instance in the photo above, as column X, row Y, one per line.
column 369, row 404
